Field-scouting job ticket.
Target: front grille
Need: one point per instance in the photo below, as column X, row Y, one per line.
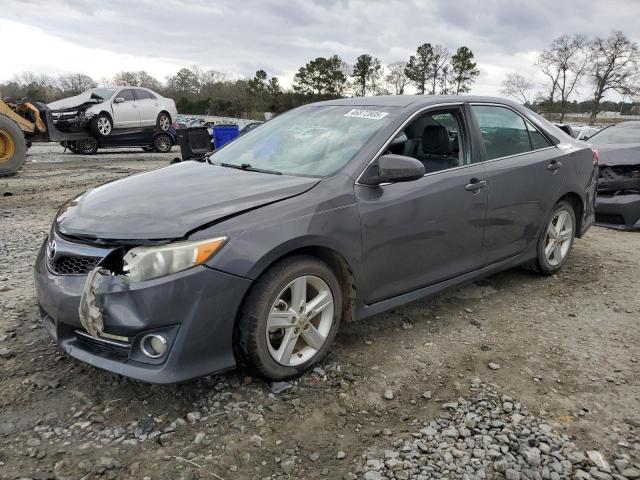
column 97, row 345
column 610, row 218
column 74, row 265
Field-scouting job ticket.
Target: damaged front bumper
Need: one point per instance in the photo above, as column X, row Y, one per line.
column 618, row 200
column 620, row 211
column 193, row 310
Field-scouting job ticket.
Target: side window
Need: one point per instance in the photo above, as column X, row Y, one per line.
column 127, row 94
column 436, row 139
column 143, row 95
column 504, row 132
column 538, row 140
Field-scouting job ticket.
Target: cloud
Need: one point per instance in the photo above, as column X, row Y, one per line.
column 280, row 36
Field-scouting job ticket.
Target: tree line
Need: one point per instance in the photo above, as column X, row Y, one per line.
column 600, row 65
column 432, row 69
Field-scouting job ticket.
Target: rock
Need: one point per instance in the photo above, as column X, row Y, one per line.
column 576, row 457
column 6, row 353
column 279, row 387
column 372, row 475
column 200, row 436
column 512, row 474
column 194, row 417
column 494, row 366
column 256, row 440
column 450, row 406
column 500, row 466
column 631, row 473
column 388, row 394
column 287, row 465
column 427, row 395
column 314, row 456
column 349, row 476
column 7, row 428
column 340, row 455
column 532, row 457
column 598, row 460
column 4, row 288
column 33, row 442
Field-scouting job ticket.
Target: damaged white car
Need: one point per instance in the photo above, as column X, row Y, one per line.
column 101, row 110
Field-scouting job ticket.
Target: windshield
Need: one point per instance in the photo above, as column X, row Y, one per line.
column 629, row 133
column 313, row 141
column 104, row 93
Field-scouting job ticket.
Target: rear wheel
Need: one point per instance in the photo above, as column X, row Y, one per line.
column 289, row 319
column 556, row 239
column 102, row 125
column 87, row 146
column 162, row 143
column 13, row 147
column 164, row 121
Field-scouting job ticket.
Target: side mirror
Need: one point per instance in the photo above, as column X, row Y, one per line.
column 119, row 100
column 399, row 168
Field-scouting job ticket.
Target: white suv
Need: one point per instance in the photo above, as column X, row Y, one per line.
column 107, row 108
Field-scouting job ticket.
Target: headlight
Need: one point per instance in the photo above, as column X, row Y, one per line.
column 146, row 263
column 89, row 114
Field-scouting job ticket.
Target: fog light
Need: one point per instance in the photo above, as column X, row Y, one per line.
column 153, row 345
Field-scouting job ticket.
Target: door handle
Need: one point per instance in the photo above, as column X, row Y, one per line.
column 475, row 185
column 554, row 165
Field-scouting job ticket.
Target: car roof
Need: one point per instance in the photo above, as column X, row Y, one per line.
column 415, row 100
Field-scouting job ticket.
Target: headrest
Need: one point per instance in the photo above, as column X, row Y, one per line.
column 435, row 140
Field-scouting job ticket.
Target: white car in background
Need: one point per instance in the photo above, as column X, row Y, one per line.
column 106, row 109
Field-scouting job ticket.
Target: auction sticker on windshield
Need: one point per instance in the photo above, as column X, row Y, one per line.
column 370, row 114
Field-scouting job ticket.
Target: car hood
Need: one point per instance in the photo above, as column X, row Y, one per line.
column 623, row 154
column 76, row 101
column 171, row 202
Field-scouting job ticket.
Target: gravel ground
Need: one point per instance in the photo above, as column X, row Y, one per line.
column 516, row 376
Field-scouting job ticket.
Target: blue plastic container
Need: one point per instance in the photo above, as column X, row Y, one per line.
column 224, row 134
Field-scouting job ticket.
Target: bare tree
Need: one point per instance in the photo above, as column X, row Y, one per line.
column 518, row 87
column 564, row 63
column 613, row 67
column 440, row 59
column 396, row 78
column 75, row 83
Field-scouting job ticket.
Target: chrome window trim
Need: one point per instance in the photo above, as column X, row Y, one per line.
column 396, row 132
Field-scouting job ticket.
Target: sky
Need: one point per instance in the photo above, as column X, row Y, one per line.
column 279, row 36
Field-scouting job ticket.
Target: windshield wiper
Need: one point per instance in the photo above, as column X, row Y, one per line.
column 247, row 167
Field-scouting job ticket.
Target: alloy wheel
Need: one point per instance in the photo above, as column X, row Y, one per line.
column 104, row 126
column 558, row 238
column 300, row 320
column 164, row 123
column 163, row 144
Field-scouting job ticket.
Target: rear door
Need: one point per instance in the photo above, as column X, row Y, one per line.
column 525, row 176
column 125, row 114
column 147, row 107
column 418, row 233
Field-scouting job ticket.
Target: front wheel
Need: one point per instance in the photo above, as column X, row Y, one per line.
column 556, row 239
column 102, row 125
column 289, row 319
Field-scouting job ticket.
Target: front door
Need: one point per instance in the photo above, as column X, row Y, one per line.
column 524, row 177
column 125, row 114
column 418, row 233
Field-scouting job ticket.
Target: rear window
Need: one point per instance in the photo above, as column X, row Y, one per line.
column 629, row 133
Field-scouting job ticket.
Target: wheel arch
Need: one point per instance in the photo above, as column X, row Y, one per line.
column 576, row 201
column 335, row 260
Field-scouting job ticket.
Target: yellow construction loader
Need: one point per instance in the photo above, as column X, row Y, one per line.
column 21, row 123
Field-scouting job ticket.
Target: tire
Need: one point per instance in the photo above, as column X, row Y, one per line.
column 163, row 122
column 256, row 350
column 549, row 262
column 13, row 147
column 162, row 143
column 87, row 146
column 102, row 125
